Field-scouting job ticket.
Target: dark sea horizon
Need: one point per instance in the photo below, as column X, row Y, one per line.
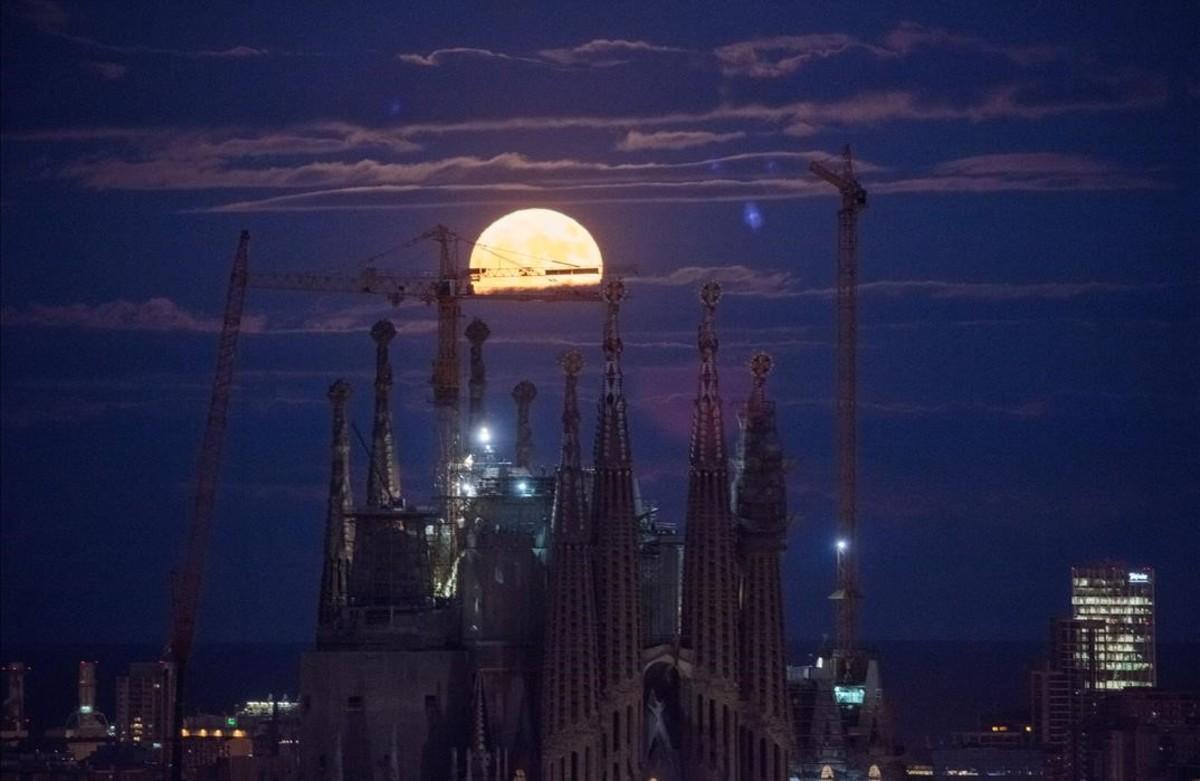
column 934, row 687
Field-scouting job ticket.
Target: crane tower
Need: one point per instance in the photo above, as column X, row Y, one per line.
column 847, row 596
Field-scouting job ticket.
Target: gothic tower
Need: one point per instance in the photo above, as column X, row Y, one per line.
column 570, row 687
column 617, row 537
column 709, row 627
column 383, row 479
column 761, row 509
column 339, row 533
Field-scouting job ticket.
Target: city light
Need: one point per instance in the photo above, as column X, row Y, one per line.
column 484, row 436
column 842, row 545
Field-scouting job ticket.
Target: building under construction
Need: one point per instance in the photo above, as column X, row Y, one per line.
column 553, row 629
column 542, row 622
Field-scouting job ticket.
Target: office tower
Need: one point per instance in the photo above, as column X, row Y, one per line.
column 1121, row 599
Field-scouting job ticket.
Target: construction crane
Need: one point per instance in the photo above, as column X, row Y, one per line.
column 189, row 579
column 446, row 289
column 451, row 285
column 847, row 597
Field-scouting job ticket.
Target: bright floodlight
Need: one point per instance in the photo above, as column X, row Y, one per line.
column 842, row 545
column 484, row 435
column 523, row 487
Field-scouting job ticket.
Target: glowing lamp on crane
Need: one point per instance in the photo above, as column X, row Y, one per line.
column 534, row 249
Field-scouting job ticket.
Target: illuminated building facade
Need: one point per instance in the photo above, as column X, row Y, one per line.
column 1121, row 602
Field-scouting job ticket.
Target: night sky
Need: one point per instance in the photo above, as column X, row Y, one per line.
column 1029, row 379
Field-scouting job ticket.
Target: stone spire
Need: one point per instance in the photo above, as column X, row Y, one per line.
column 523, row 394
column 615, row 526
column 710, row 579
column 383, row 479
column 761, row 508
column 339, row 539
column 477, row 333
column 570, row 687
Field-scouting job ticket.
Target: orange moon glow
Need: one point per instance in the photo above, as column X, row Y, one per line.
column 534, row 249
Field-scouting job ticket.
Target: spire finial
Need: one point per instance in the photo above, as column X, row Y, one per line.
column 710, row 294
column 761, row 364
column 571, row 362
column 383, row 332
column 477, row 331
column 613, row 293
column 339, row 391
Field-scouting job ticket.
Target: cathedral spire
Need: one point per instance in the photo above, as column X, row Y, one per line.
column 570, row 685
column 383, row 479
column 616, row 532
column 339, row 541
column 760, row 494
column 708, row 433
column 709, row 630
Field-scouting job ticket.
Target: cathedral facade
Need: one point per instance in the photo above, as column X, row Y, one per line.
column 544, row 624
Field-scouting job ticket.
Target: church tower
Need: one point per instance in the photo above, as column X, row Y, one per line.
column 616, row 532
column 709, row 630
column 570, row 688
column 761, row 508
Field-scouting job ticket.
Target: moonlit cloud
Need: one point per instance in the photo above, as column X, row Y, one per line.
column 604, row 52
column 636, row 141
column 439, row 57
column 154, row 314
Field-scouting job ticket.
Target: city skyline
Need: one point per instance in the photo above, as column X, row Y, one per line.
column 1028, row 285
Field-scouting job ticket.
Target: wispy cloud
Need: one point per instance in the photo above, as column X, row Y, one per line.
column 598, row 53
column 744, row 280
column 439, row 57
column 164, row 315
column 637, row 141
column 110, row 71
column 155, row 314
column 783, row 54
column 606, row 52
column 778, row 56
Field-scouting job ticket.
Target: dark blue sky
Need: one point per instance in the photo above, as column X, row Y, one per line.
column 1029, row 376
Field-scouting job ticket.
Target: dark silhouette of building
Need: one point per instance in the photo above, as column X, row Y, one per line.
column 549, row 626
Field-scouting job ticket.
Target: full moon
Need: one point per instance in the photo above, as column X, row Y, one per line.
column 534, row 249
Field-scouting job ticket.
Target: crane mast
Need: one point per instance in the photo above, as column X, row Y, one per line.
column 847, row 597
column 446, row 410
column 190, row 579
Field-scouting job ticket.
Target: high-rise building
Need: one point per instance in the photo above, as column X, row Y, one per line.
column 1121, row 600
column 1060, row 691
column 145, row 703
column 14, row 727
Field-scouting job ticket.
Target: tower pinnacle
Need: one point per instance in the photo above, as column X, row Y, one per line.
column 339, row 539
column 762, row 525
column 383, row 479
column 617, row 539
column 709, row 630
column 570, row 689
